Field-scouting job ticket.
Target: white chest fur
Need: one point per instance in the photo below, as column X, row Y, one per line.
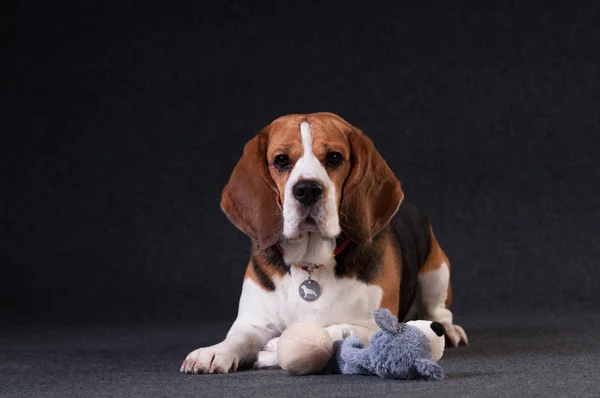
column 342, row 300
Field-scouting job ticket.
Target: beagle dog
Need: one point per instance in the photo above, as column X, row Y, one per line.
column 331, row 242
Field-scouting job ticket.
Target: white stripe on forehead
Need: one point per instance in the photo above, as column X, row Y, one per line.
column 308, row 166
column 306, row 133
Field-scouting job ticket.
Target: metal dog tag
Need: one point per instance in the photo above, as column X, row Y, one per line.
column 309, row 290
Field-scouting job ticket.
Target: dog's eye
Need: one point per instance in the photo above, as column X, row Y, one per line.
column 282, row 161
column 333, row 159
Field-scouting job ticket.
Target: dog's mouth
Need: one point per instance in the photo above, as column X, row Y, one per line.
column 309, row 224
column 303, row 228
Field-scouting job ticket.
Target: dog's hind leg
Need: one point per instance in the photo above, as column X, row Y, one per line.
column 434, row 294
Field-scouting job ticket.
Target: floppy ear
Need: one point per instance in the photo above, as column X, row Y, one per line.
column 250, row 198
column 371, row 193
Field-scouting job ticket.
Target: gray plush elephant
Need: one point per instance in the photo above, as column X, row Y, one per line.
column 402, row 351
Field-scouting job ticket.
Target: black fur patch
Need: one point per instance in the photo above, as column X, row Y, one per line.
column 412, row 230
column 273, row 256
column 364, row 262
column 269, row 258
column 263, row 278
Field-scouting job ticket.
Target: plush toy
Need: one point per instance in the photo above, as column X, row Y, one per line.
column 402, row 351
column 304, row 348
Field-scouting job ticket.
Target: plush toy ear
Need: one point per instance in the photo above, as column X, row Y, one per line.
column 386, row 320
column 250, row 197
column 371, row 194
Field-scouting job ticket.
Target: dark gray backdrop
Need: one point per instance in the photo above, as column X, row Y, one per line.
column 121, row 123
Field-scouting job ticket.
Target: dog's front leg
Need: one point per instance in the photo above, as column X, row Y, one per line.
column 239, row 349
column 252, row 329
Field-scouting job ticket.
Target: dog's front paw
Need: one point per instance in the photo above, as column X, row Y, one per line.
column 267, row 357
column 272, row 345
column 455, row 334
column 266, row 360
column 213, row 359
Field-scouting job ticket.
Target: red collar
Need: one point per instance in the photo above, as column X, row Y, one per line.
column 337, row 251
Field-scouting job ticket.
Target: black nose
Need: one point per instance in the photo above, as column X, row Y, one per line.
column 438, row 328
column 307, row 192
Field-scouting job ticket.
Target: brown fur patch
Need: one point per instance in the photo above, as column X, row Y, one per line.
column 434, row 262
column 436, row 256
column 449, row 296
column 251, row 274
column 285, row 139
column 389, row 276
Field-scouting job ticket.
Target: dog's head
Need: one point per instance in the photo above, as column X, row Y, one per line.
column 311, row 173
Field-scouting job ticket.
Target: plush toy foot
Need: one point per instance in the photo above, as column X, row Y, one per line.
column 455, row 335
column 352, row 356
column 353, row 341
column 428, row 370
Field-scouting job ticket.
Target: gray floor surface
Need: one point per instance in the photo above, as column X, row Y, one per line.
column 509, row 356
